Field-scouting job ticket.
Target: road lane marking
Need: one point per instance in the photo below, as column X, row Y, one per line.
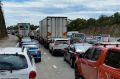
column 17, row 44
column 54, row 66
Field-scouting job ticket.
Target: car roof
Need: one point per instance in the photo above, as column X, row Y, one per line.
column 31, row 42
column 109, row 43
column 11, row 50
column 82, row 44
column 26, row 39
column 31, row 45
column 61, row 38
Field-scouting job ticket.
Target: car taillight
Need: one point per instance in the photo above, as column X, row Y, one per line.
column 56, row 44
column 32, row 75
column 38, row 51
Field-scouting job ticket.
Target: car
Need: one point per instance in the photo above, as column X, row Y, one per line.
column 99, row 62
column 24, row 40
column 57, row 45
column 16, row 63
column 33, row 42
column 73, row 49
column 34, row 51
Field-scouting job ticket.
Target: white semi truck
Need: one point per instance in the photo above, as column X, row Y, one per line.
column 52, row 27
column 23, row 29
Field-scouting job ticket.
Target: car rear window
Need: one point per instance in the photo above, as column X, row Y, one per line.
column 16, row 62
column 113, row 59
column 62, row 42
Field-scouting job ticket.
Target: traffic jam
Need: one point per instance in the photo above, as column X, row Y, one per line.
column 90, row 57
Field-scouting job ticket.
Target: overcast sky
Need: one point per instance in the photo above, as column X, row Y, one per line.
column 32, row 11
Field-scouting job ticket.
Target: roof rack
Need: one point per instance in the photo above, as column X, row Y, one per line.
column 105, row 44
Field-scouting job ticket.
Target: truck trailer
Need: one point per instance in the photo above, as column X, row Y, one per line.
column 23, row 29
column 52, row 27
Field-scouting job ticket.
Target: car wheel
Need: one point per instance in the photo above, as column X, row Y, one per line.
column 64, row 58
column 52, row 52
column 39, row 60
column 71, row 63
column 77, row 76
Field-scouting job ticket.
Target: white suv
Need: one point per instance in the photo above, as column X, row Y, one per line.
column 57, row 45
column 16, row 64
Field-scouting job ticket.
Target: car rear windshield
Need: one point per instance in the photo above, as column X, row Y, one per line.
column 113, row 59
column 62, row 42
column 16, row 62
column 32, row 50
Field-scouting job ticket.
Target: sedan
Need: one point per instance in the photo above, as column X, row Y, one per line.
column 72, row 50
column 34, row 51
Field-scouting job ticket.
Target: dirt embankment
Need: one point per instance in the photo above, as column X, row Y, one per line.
column 113, row 30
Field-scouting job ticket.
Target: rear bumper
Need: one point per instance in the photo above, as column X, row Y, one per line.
column 59, row 51
column 36, row 56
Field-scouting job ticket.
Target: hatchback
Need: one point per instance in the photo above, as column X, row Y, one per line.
column 16, row 64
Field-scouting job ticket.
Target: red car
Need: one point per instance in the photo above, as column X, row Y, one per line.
column 98, row 62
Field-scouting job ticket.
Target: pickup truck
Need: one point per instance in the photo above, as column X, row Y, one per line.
column 99, row 62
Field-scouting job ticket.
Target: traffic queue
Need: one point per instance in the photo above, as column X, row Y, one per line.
column 98, row 59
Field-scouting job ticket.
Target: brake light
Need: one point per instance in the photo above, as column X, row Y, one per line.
column 38, row 51
column 32, row 75
column 56, row 44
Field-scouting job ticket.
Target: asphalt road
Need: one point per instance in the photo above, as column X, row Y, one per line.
column 53, row 67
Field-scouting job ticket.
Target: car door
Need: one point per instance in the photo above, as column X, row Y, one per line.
column 84, row 65
column 92, row 64
column 111, row 67
column 70, row 52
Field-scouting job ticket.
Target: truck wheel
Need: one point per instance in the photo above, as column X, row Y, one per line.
column 71, row 63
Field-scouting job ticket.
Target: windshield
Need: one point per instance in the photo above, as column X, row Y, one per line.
column 82, row 48
column 62, row 42
column 12, row 61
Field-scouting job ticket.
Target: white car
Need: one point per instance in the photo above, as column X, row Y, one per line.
column 16, row 63
column 57, row 45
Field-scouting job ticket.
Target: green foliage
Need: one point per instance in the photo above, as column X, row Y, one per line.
column 102, row 21
column 14, row 27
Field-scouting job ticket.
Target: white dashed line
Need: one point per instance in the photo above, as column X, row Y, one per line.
column 17, row 44
column 54, row 66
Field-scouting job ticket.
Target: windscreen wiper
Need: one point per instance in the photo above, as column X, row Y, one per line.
column 10, row 66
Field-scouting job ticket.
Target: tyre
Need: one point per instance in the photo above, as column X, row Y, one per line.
column 71, row 63
column 77, row 75
column 53, row 52
column 39, row 60
column 50, row 50
column 64, row 58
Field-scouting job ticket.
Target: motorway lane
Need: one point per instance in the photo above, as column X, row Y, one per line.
column 53, row 67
